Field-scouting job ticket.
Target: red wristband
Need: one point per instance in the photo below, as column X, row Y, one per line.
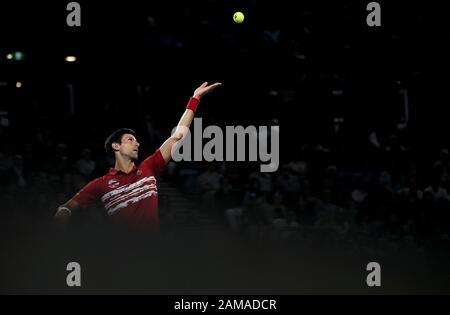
column 193, row 103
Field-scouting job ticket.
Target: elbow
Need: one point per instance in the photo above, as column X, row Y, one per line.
column 177, row 136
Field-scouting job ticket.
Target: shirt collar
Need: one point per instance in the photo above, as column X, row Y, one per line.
column 114, row 171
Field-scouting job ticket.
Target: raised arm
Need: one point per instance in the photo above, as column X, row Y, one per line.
column 186, row 120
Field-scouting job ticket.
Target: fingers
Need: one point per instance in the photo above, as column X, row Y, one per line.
column 213, row 86
column 204, row 88
column 205, row 84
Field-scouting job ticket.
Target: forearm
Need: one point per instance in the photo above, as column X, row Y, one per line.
column 181, row 130
column 185, row 122
column 186, row 119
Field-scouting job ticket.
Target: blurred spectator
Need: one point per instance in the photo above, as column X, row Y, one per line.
column 264, row 179
column 6, row 164
column 227, row 196
column 209, row 182
column 86, row 165
column 60, row 162
column 289, row 183
column 18, row 171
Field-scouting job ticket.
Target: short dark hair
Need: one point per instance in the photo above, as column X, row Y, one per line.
column 116, row 137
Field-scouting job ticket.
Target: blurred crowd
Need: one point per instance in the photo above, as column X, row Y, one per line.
column 382, row 188
column 388, row 193
column 388, row 196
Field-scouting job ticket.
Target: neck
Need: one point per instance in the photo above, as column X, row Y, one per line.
column 124, row 165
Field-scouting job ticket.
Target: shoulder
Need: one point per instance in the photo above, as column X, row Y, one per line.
column 99, row 182
column 155, row 162
column 156, row 156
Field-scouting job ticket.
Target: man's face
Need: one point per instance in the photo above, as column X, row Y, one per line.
column 129, row 147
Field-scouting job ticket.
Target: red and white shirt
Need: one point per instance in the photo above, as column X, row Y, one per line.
column 129, row 199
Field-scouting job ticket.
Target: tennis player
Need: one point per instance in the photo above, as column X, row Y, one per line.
column 129, row 192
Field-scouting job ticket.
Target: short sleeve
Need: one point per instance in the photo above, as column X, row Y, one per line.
column 89, row 194
column 155, row 163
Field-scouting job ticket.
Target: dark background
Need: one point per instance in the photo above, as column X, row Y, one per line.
column 299, row 65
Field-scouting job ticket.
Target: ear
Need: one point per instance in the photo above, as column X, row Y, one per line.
column 115, row 146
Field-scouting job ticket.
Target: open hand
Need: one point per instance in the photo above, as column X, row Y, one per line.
column 205, row 89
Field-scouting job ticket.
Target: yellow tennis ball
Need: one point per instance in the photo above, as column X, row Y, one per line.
column 238, row 17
